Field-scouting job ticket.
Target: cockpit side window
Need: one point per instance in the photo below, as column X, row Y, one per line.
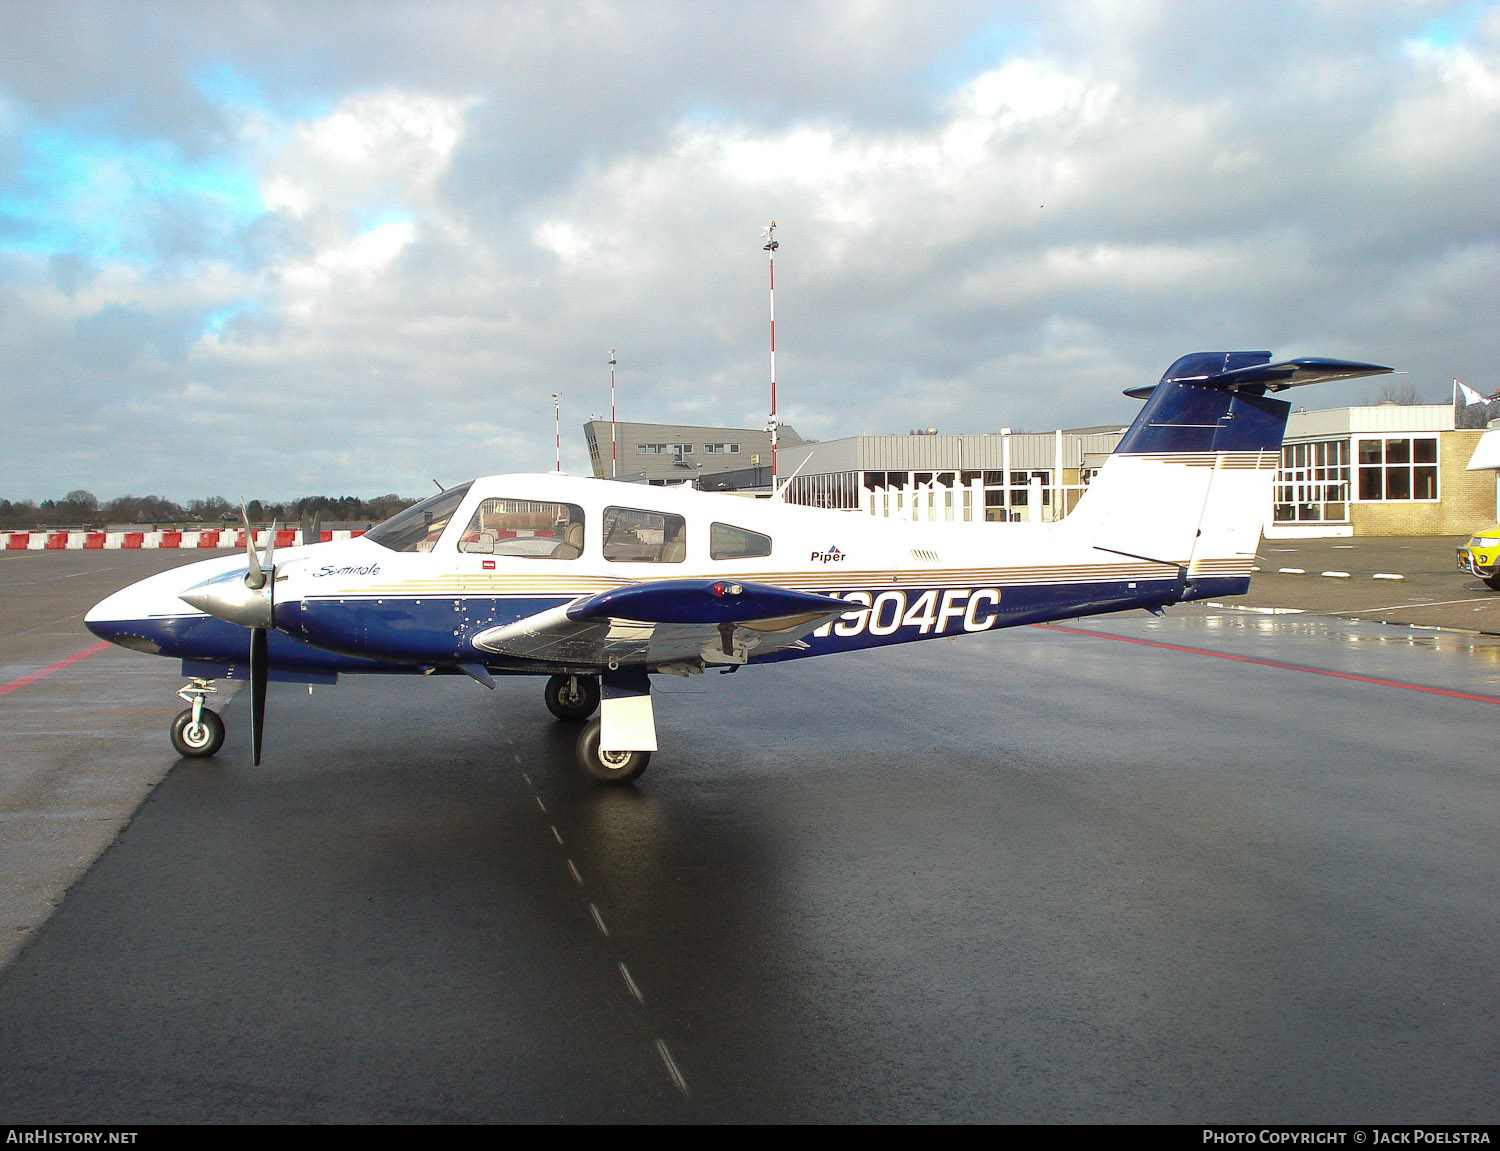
column 727, row 542
column 525, row 528
column 634, row 535
column 417, row 528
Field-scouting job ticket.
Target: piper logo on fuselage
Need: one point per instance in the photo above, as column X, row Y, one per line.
column 831, row 556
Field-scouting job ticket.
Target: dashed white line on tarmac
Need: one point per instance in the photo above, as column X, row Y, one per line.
column 666, row 1057
column 630, row 985
column 1413, row 606
column 673, row 1072
column 52, row 623
column 598, row 920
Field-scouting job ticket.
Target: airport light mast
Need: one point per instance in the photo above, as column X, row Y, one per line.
column 614, row 468
column 769, row 232
column 557, row 427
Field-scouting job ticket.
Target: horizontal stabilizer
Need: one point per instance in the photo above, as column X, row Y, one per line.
column 1229, row 371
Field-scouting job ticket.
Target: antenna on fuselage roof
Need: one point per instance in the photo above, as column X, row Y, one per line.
column 778, row 492
column 439, row 486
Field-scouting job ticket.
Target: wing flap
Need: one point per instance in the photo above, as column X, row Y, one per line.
column 665, row 621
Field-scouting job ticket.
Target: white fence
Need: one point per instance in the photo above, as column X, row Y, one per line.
column 1036, row 502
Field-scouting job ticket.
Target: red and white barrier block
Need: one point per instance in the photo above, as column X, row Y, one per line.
column 111, row 541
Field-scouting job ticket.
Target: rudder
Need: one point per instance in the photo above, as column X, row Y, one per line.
column 1190, row 481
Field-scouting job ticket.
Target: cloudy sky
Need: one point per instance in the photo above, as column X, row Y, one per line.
column 276, row 249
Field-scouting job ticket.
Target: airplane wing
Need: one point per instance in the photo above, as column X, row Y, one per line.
column 664, row 622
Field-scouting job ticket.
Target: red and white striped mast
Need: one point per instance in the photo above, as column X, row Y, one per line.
column 557, row 427
column 614, row 468
column 769, row 232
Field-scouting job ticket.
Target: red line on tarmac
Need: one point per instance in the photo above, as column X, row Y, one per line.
column 7, row 688
column 1274, row 663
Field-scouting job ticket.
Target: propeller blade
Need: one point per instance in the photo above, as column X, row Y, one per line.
column 254, row 578
column 270, row 564
column 259, row 671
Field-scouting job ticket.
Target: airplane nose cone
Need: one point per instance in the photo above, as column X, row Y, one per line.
column 118, row 619
column 227, row 598
column 125, row 633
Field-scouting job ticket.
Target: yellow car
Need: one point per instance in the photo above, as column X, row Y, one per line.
column 1481, row 555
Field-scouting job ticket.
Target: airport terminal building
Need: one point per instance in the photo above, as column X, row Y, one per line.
column 1386, row 469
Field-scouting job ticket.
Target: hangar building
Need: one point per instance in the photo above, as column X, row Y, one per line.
column 1386, row 469
column 710, row 458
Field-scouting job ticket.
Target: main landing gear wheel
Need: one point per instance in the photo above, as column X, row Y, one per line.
column 573, row 697
column 608, row 766
column 199, row 739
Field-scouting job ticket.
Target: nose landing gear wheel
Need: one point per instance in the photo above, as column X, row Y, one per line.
column 608, row 766
column 200, row 739
column 572, row 697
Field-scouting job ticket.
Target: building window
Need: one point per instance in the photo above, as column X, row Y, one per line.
column 1312, row 485
column 1020, row 487
column 651, row 449
column 1398, row 469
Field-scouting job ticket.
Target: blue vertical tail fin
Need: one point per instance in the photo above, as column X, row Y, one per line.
column 1189, row 484
column 1218, row 402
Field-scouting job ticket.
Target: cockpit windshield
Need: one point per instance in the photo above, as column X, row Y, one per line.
column 417, row 528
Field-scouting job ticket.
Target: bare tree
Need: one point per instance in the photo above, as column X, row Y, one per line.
column 1403, row 393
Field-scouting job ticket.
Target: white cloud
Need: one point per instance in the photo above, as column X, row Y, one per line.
column 998, row 227
column 370, row 150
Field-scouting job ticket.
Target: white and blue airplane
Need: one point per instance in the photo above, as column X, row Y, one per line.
column 599, row 585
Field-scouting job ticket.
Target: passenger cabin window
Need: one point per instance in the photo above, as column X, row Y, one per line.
column 525, row 528
column 633, row 535
column 417, row 528
column 727, row 542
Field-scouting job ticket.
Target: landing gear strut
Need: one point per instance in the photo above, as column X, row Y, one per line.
column 197, row 731
column 572, row 697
